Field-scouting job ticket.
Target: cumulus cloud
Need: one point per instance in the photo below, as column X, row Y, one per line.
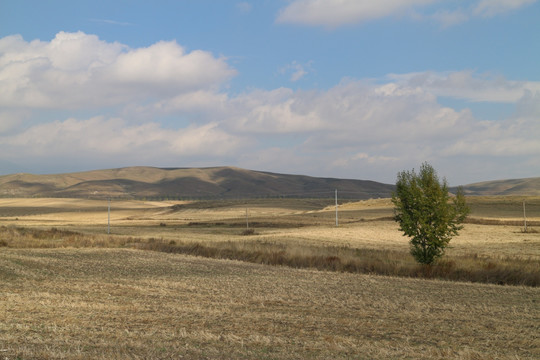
column 78, row 70
column 277, row 111
column 334, row 13
column 515, row 136
column 350, row 112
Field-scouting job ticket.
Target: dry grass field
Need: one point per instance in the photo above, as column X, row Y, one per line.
column 496, row 231
column 70, row 291
column 118, row 303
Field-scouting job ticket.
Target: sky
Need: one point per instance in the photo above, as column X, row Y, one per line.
column 354, row 89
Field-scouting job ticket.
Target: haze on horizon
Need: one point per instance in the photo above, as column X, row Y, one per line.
column 330, row 88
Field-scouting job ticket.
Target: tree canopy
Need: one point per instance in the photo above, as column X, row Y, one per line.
column 425, row 213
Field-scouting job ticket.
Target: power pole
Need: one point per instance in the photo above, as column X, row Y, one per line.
column 337, row 223
column 247, row 219
column 524, row 217
column 109, row 218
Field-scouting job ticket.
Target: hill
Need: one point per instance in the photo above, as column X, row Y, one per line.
column 518, row 187
column 218, row 182
column 215, row 182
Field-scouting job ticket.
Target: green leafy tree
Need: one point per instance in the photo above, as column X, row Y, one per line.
column 425, row 213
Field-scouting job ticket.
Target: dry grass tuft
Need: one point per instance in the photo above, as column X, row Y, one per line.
column 248, row 232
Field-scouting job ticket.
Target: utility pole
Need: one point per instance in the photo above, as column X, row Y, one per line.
column 337, row 224
column 109, row 218
column 247, row 219
column 524, row 217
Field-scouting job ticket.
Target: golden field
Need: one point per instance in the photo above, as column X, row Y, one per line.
column 362, row 224
column 70, row 291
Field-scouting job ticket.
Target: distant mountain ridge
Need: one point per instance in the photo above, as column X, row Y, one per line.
column 218, row 182
column 179, row 183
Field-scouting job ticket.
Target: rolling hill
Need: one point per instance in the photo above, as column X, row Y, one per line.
column 518, row 187
column 198, row 183
column 218, row 182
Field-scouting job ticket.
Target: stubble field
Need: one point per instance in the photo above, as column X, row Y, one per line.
column 75, row 292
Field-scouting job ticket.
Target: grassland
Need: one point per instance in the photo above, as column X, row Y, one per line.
column 103, row 304
column 69, row 290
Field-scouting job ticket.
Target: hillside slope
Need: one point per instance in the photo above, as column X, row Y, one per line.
column 219, row 182
column 521, row 187
column 216, row 182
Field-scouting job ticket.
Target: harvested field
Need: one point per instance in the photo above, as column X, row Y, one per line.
column 71, row 291
column 114, row 303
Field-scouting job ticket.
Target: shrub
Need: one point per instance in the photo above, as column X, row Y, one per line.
column 248, row 232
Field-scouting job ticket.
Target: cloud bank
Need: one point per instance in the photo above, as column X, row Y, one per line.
column 165, row 106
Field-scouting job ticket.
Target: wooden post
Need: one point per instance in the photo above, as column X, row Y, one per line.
column 524, row 217
column 109, row 218
column 337, row 223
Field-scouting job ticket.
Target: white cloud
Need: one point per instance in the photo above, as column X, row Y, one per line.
column 78, row 70
column 468, row 85
column 192, row 102
column 334, row 13
column 510, row 138
column 272, row 112
column 296, row 70
column 357, row 129
column 298, row 73
column 166, row 66
column 516, row 136
column 484, row 8
column 363, row 125
column 114, row 138
column 347, row 113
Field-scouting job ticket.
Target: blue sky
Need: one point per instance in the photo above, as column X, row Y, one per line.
column 337, row 88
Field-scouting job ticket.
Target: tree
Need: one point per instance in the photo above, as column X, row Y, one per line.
column 425, row 213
